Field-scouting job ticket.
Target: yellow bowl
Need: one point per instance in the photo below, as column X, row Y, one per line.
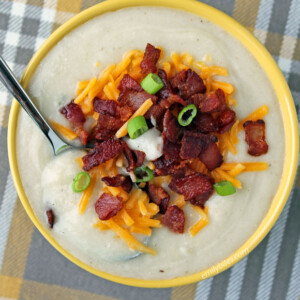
column 277, row 80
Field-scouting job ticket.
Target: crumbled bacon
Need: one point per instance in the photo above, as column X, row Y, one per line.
column 139, row 157
column 151, row 57
column 170, row 150
column 73, row 113
column 174, row 219
column 75, row 116
column 212, row 103
column 195, row 186
column 188, row 83
column 106, row 127
column 226, row 120
column 128, row 83
column 120, row 180
column 50, row 217
column 172, row 167
column 211, row 157
column 156, row 112
column 102, row 153
column 125, row 113
column 205, row 123
column 159, row 196
column 135, row 99
column 135, row 158
column 171, row 128
column 106, row 107
column 108, row 206
column 131, row 163
column 194, row 143
column 255, row 137
column 166, row 91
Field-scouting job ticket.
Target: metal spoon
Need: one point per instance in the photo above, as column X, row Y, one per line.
column 11, row 83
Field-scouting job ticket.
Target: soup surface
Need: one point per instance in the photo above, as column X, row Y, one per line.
column 47, row 179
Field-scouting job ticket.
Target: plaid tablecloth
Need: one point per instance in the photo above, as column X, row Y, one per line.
column 32, row 269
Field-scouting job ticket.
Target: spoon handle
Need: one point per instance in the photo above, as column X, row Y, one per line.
column 11, row 83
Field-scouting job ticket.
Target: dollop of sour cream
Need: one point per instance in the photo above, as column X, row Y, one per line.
column 150, row 142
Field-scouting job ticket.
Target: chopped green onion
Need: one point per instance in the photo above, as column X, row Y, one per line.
column 187, row 115
column 143, row 174
column 224, row 188
column 137, row 126
column 81, row 182
column 152, row 83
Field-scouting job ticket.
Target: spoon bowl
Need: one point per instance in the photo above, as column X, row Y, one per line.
column 10, row 81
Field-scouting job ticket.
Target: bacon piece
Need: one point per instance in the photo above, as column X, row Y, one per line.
column 172, row 99
column 196, row 186
column 135, row 99
column 196, row 99
column 172, row 167
column 139, row 157
column 120, row 180
column 73, row 113
column 159, row 196
column 131, row 164
column 135, row 158
column 188, row 83
column 205, row 123
column 106, row 127
column 129, row 83
column 151, row 57
column 171, row 129
column 170, row 150
column 166, row 91
column 75, row 116
column 194, row 143
column 102, row 153
column 255, row 137
column 50, row 217
column 107, row 206
column 106, row 107
column 174, row 219
column 212, row 103
column 226, row 120
column 211, row 157
column 125, row 113
column 156, row 112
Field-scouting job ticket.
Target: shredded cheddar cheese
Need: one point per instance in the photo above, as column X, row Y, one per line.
column 256, row 115
column 87, row 193
column 202, row 222
column 66, row 132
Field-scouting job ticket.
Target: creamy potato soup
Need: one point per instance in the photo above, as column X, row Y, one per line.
column 47, row 179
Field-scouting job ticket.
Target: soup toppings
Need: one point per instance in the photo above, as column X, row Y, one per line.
column 191, row 125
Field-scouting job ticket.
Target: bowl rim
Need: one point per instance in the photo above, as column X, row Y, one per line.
column 279, row 85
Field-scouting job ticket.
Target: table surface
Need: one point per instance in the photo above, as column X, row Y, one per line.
column 30, row 268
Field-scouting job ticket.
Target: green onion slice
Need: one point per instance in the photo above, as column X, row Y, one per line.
column 143, row 174
column 81, row 182
column 137, row 126
column 187, row 115
column 152, row 83
column 224, row 188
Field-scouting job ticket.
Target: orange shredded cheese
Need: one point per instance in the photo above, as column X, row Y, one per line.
column 66, row 132
column 226, row 87
column 140, row 112
column 256, row 115
column 225, row 176
column 87, row 193
column 128, row 238
column 201, row 223
column 84, row 93
column 249, row 166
